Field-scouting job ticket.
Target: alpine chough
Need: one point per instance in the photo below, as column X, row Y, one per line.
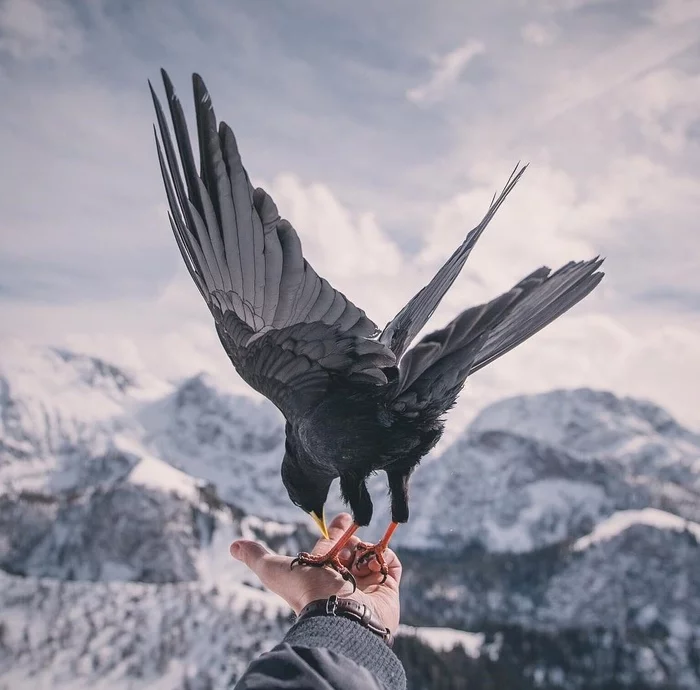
column 356, row 400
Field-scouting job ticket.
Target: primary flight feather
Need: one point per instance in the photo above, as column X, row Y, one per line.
column 356, row 400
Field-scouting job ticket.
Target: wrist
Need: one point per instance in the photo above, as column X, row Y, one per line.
column 345, row 591
column 350, row 608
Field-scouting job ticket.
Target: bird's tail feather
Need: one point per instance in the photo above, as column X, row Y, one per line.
column 405, row 326
column 433, row 372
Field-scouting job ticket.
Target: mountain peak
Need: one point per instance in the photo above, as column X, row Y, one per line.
column 95, row 371
column 584, row 421
column 198, row 389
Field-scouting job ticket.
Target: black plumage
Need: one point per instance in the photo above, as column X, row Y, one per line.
column 355, row 399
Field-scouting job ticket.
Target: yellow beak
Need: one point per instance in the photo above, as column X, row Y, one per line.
column 321, row 522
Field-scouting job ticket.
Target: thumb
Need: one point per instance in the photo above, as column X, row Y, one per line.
column 251, row 553
column 272, row 570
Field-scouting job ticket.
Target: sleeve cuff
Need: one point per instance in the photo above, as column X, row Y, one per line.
column 350, row 639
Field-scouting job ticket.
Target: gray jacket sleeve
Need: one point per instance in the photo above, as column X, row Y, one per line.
column 326, row 653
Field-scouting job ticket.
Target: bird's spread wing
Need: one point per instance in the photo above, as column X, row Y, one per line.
column 405, row 326
column 432, row 373
column 286, row 330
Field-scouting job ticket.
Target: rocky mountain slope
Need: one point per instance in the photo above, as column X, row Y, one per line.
column 559, row 532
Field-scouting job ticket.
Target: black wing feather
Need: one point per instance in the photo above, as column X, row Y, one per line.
column 287, row 331
column 432, row 373
column 405, row 326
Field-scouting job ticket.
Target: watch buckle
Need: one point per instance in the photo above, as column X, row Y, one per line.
column 331, row 605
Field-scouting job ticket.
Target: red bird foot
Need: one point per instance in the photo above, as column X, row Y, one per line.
column 327, row 560
column 365, row 552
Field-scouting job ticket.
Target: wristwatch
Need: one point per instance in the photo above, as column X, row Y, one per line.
column 347, row 608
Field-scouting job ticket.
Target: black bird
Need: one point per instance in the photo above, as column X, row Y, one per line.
column 355, row 399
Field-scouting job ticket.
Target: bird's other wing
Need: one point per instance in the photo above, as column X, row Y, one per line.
column 405, row 326
column 539, row 306
column 432, row 373
column 283, row 326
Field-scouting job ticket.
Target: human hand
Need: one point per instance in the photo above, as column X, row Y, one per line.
column 301, row 585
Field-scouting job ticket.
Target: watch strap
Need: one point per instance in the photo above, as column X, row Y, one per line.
column 347, row 608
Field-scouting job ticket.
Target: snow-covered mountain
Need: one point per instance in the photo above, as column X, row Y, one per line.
column 568, row 511
column 536, row 470
column 636, row 434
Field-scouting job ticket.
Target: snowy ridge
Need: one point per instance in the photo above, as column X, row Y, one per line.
column 228, row 441
column 76, row 634
column 59, row 412
column 593, row 424
column 512, row 494
column 446, row 639
column 629, row 567
column 624, row 519
column 538, row 470
column 156, row 474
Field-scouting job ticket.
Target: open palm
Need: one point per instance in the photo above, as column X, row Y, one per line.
column 300, row 586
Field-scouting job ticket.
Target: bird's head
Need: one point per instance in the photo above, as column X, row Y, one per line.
column 307, row 487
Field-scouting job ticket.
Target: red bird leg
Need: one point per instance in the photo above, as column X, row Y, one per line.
column 331, row 558
column 376, row 551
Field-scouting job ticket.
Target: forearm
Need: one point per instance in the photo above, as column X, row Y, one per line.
column 327, row 653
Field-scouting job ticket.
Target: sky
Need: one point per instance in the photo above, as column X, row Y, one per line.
column 382, row 131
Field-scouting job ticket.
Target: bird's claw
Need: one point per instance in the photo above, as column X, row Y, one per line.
column 368, row 551
column 323, row 561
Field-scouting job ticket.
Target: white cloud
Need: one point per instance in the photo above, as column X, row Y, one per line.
column 675, row 11
column 446, row 72
column 613, row 68
column 31, row 29
column 665, row 103
column 539, row 34
column 566, row 6
column 551, row 218
column 346, row 246
column 531, row 229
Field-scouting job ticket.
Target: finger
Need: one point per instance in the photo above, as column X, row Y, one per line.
column 371, row 567
column 339, row 524
column 347, row 555
column 394, row 565
column 249, row 552
column 362, row 568
column 262, row 562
